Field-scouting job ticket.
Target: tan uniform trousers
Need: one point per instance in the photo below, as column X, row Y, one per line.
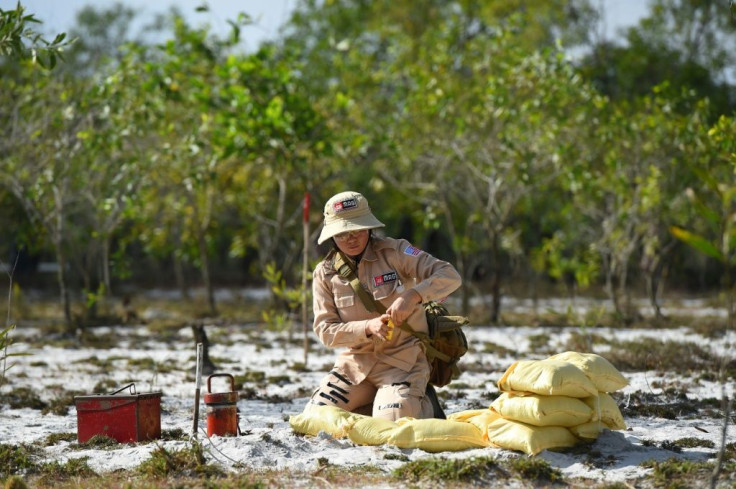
column 394, row 393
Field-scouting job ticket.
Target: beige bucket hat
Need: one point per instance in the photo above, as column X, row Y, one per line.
column 347, row 211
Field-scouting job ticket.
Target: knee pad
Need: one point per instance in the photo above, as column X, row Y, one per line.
column 396, row 401
column 333, row 391
column 336, row 390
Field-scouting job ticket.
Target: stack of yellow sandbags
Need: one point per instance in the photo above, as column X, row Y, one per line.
column 550, row 403
column 553, row 403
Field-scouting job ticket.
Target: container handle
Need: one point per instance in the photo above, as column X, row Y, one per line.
column 132, row 389
column 232, row 381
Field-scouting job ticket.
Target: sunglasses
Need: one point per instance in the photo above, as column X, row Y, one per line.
column 349, row 234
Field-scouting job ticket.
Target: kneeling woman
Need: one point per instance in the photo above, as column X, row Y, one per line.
column 382, row 366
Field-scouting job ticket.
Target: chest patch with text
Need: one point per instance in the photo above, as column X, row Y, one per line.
column 384, row 279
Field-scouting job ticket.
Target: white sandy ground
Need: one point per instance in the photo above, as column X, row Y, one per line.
column 268, row 441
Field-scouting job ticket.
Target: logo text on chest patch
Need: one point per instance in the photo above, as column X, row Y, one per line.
column 384, row 279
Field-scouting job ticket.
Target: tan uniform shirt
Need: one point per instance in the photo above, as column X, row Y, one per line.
column 387, row 268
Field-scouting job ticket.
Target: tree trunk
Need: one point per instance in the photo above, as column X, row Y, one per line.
column 58, row 234
column 69, row 326
column 200, row 336
column 205, row 268
column 611, row 288
column 181, row 282
column 106, row 267
column 464, row 289
column 495, row 280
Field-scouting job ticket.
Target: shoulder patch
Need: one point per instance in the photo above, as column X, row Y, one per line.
column 412, row 251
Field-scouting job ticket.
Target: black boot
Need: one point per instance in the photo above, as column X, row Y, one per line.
column 431, row 394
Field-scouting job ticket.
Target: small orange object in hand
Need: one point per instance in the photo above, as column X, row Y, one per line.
column 390, row 333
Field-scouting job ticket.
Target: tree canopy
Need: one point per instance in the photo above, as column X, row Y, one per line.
column 467, row 124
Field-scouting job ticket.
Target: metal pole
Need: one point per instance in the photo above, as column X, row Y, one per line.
column 198, row 384
column 305, row 272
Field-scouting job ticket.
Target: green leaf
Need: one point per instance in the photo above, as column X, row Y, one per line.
column 698, row 242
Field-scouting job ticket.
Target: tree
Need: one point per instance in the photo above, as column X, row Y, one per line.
column 19, row 41
column 100, row 34
column 408, row 80
column 40, row 165
column 687, row 45
column 715, row 204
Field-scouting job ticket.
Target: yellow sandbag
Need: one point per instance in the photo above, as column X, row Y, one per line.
column 513, row 435
column 466, row 415
column 606, row 410
column 588, row 431
column 480, row 418
column 600, row 371
column 371, row 431
column 330, row 419
column 548, row 378
column 543, row 410
column 436, row 435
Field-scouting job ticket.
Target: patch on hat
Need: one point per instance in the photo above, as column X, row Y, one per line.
column 384, row 279
column 412, row 251
column 345, row 205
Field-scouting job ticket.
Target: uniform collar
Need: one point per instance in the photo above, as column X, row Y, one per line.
column 374, row 245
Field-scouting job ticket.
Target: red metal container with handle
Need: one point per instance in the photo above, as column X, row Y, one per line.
column 222, row 409
column 125, row 417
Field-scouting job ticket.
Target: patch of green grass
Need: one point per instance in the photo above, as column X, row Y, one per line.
column 676, row 473
column 15, row 482
column 536, row 469
column 654, row 354
column 104, row 386
column 55, row 438
column 104, row 365
column 692, row 442
column 341, row 476
column 60, row 404
column 583, row 341
column 709, row 326
column 396, row 456
column 143, row 363
column 174, row 435
column 539, row 343
column 496, row 349
column 186, row 462
column 100, row 341
column 476, row 470
column 72, row 468
column 148, row 363
column 100, row 441
column 17, row 459
column 24, row 397
column 254, row 376
column 279, row 379
column 668, row 406
column 300, row 367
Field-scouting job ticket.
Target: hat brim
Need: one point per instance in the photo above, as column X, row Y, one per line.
column 338, row 226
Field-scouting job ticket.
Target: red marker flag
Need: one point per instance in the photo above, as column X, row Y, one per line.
column 306, row 207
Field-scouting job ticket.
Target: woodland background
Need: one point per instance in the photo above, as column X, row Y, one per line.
column 511, row 138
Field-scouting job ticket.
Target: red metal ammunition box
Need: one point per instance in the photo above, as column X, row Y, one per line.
column 125, row 418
